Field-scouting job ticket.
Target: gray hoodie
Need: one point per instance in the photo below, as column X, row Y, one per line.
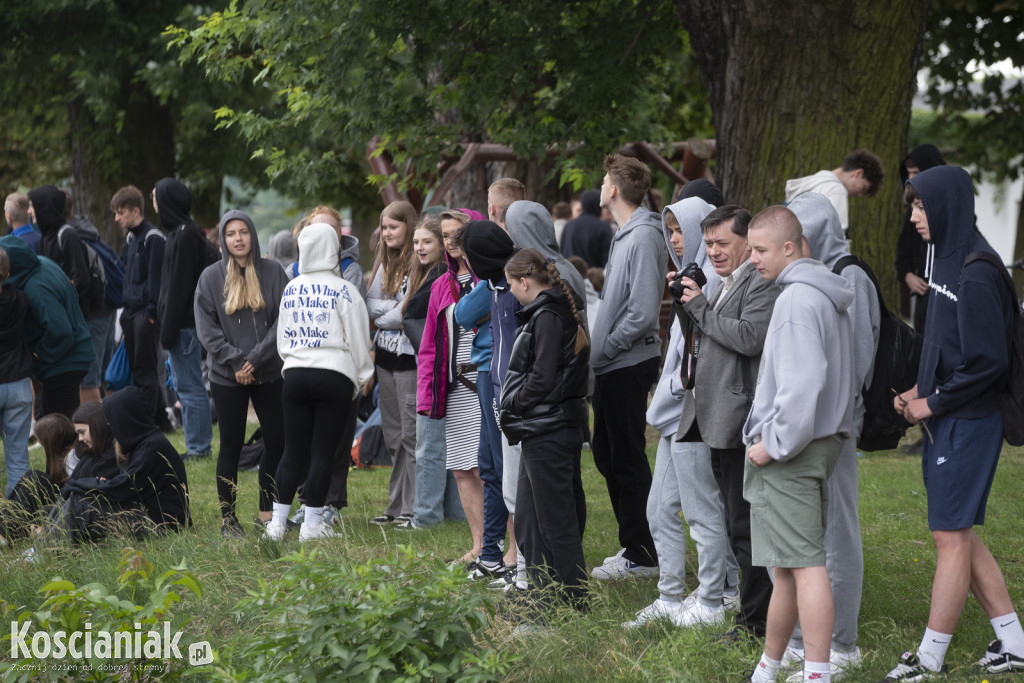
column 626, row 332
column 245, row 335
column 663, row 412
column 530, row 227
column 825, row 236
column 805, row 385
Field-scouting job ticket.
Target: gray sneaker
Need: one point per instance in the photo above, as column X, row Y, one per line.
column 331, row 516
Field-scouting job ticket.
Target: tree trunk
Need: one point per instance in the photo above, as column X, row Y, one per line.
column 1018, row 245
column 795, row 86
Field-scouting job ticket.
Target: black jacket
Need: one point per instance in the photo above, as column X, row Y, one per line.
column 15, row 354
column 143, row 258
column 587, row 236
column 546, row 385
column 910, row 247
column 186, row 254
column 66, row 250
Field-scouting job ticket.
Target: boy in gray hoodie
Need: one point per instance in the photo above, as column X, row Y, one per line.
column 802, row 411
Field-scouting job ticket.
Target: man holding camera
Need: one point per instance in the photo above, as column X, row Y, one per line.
column 734, row 320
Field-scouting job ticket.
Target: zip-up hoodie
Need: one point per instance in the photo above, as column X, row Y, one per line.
column 65, row 250
column 965, row 354
column 663, row 412
column 323, row 321
column 825, row 236
column 245, row 335
column 185, row 257
column 626, row 332
column 55, row 328
column 805, row 385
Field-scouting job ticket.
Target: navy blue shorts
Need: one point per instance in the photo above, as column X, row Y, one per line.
column 958, row 469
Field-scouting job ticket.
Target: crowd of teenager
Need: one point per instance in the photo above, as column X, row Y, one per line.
column 488, row 337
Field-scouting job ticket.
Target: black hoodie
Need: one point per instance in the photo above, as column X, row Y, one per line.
column 185, row 256
column 15, row 355
column 587, row 236
column 67, row 250
column 154, row 476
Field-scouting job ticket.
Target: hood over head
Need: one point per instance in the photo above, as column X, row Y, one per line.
column 48, row 203
column 83, row 225
column 24, row 261
column 947, row 196
column 591, row 202
column 349, row 247
column 529, row 225
column 236, row 215
column 487, row 248
column 816, row 274
column 705, row 189
column 821, row 227
column 174, row 202
column 318, row 248
column 924, row 157
column 282, row 248
column 688, row 213
column 125, row 410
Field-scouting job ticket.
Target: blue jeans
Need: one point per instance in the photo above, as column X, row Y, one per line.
column 15, row 426
column 437, row 495
column 187, row 366
column 490, row 461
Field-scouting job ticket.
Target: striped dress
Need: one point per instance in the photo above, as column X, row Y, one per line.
column 462, row 424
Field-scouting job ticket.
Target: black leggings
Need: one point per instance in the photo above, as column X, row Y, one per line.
column 316, row 407
column 232, row 404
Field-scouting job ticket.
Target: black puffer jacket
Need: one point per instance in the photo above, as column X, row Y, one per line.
column 546, row 385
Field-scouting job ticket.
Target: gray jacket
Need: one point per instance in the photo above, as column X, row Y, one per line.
column 626, row 331
column 730, row 352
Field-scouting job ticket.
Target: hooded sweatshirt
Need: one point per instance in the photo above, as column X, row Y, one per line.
column 825, row 237
column 530, row 227
column 154, row 476
column 910, row 248
column 828, row 184
column 15, row 355
column 186, row 254
column 705, row 189
column 626, row 332
column 283, row 249
column 663, row 412
column 55, row 329
column 587, row 236
column 323, row 321
column 245, row 335
column 143, row 258
column 965, row 354
column 805, row 385
column 65, row 250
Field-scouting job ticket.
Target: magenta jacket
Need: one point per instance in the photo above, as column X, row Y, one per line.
column 435, row 364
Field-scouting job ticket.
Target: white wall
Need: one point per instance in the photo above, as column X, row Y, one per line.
column 997, row 207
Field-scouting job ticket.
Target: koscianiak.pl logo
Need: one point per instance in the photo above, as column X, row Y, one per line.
column 90, row 645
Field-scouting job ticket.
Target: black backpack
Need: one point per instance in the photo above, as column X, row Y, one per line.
column 97, row 275
column 896, row 361
column 1011, row 396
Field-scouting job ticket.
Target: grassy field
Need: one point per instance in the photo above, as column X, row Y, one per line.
column 899, row 562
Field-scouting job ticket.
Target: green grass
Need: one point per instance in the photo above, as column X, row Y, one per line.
column 899, row 562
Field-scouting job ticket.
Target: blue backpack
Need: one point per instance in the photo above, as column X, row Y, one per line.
column 114, row 271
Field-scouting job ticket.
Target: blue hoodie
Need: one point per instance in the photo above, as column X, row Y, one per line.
column 965, row 355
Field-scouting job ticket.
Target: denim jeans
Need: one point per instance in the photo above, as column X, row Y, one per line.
column 15, row 426
column 437, row 495
column 489, row 458
column 187, row 366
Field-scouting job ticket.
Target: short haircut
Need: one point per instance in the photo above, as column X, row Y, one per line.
column 129, row 197
column 16, row 205
column 630, row 175
column 910, row 194
column 504, row 191
column 783, row 223
column 561, row 211
column 5, row 265
column 870, row 164
column 739, row 216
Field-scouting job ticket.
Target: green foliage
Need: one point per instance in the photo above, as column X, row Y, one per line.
column 143, row 601
column 406, row 618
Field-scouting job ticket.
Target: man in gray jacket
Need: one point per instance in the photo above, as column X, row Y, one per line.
column 626, row 351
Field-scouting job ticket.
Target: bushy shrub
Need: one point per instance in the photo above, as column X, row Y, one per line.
column 404, row 618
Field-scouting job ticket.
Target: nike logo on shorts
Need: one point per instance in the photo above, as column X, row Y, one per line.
column 941, row 460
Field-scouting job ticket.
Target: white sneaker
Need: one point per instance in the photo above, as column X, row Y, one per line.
column 840, row 663
column 621, row 568
column 792, row 659
column 274, row 531
column 613, row 558
column 315, row 533
column 696, row 614
column 731, row 602
column 657, row 610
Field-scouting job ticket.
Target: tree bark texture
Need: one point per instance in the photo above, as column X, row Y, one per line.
column 795, row 86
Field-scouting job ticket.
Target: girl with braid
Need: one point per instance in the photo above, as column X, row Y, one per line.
column 544, row 406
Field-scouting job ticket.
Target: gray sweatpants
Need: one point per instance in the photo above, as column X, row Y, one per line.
column 683, row 482
column 509, row 487
column 398, row 423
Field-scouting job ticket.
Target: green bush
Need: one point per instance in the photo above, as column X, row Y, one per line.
column 141, row 603
column 405, row 618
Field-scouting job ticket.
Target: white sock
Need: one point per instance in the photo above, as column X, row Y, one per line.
column 1008, row 630
column 817, row 671
column 280, row 514
column 766, row 669
column 314, row 517
column 932, row 651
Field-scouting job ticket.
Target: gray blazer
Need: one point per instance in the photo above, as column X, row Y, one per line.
column 729, row 355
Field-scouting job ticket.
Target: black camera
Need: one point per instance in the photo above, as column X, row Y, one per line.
column 692, row 271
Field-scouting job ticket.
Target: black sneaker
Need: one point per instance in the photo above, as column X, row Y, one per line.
column 996, row 662
column 485, row 570
column 382, row 520
column 910, row 670
column 230, row 528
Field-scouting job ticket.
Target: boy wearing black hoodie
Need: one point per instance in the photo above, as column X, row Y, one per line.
column 964, row 363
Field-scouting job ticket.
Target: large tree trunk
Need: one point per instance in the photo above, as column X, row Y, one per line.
column 794, row 86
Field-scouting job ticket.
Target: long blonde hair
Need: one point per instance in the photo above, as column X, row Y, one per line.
column 242, row 290
column 417, row 271
column 395, row 262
